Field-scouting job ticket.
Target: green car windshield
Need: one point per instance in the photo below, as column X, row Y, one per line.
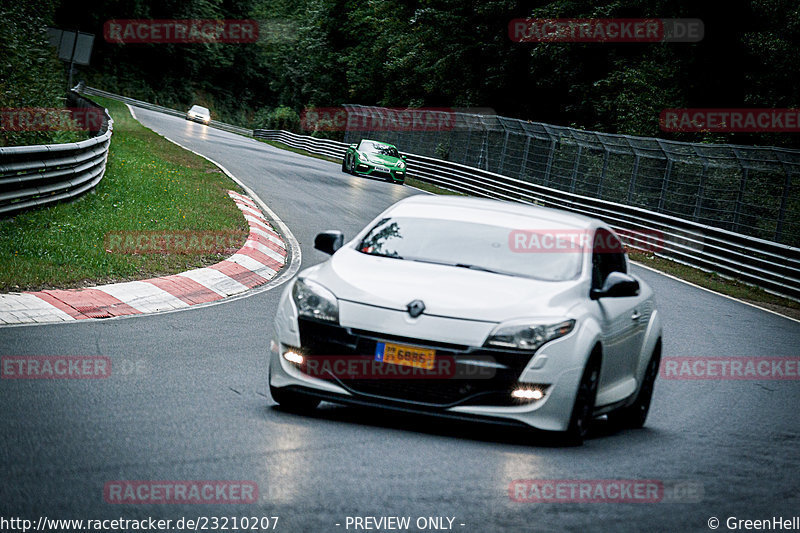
column 378, row 148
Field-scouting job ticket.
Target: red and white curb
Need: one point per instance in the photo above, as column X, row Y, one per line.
column 254, row 264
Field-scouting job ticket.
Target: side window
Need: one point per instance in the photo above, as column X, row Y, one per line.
column 608, row 256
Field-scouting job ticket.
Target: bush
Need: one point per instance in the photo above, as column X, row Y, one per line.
column 30, row 73
column 279, row 118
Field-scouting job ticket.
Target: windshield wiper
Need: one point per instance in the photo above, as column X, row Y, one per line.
column 460, row 265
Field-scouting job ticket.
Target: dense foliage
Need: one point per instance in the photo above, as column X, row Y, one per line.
column 454, row 53
column 30, row 74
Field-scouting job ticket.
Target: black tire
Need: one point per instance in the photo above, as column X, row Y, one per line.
column 292, row 401
column 344, row 163
column 352, row 166
column 635, row 415
column 583, row 409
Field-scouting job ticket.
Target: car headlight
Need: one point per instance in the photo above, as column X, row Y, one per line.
column 315, row 301
column 400, row 164
column 363, row 158
column 526, row 336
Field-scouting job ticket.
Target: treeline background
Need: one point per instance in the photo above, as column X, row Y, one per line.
column 441, row 53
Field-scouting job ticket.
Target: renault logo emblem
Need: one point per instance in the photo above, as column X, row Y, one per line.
column 415, row 308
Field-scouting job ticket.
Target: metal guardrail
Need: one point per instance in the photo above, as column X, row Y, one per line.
column 772, row 266
column 161, row 109
column 31, row 176
column 754, row 190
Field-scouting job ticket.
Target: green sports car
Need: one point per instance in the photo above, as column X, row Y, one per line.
column 375, row 159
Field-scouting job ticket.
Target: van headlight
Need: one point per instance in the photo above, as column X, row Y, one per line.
column 523, row 335
column 315, row 301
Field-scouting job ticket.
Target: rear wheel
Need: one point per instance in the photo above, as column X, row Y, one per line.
column 635, row 415
column 583, row 408
column 292, row 400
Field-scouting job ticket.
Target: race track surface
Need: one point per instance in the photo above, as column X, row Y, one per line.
column 189, row 401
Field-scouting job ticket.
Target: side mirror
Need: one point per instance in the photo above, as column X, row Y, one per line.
column 354, row 146
column 403, row 157
column 617, row 285
column 329, row 241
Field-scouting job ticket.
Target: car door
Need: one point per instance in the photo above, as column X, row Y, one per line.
column 622, row 321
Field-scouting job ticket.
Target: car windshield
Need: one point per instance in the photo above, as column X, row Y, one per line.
column 469, row 245
column 199, row 109
column 378, row 148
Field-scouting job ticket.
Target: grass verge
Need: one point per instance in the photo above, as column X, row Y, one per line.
column 708, row 280
column 150, row 185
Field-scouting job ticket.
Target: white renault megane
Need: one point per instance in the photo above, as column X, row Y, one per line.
column 472, row 308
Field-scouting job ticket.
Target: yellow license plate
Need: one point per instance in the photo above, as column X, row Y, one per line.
column 400, row 354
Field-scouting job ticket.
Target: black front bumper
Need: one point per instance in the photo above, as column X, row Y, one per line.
column 474, row 384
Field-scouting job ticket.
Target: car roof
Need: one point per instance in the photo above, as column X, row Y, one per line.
column 512, row 214
column 199, row 107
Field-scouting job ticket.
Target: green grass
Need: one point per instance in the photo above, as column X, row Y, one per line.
column 150, row 184
column 708, row 280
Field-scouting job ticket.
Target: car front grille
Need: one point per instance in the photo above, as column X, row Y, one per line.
column 491, row 387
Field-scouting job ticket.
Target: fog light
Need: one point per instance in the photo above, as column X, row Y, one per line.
column 529, row 393
column 293, row 357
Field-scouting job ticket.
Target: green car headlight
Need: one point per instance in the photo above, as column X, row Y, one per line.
column 400, row 164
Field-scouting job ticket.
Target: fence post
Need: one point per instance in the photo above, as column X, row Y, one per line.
column 665, row 179
column 525, row 157
column 550, row 157
column 632, row 183
column 575, row 167
column 701, row 189
column 784, row 198
column 606, row 155
column 503, row 153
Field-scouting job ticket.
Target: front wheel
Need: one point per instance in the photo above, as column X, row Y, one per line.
column 344, row 163
column 635, row 415
column 583, row 409
column 292, row 401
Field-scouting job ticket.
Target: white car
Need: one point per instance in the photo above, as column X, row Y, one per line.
column 199, row 114
column 472, row 308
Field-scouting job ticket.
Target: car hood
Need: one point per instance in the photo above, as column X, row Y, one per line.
column 446, row 291
column 380, row 159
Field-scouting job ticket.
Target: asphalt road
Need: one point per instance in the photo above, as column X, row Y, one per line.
column 189, row 400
